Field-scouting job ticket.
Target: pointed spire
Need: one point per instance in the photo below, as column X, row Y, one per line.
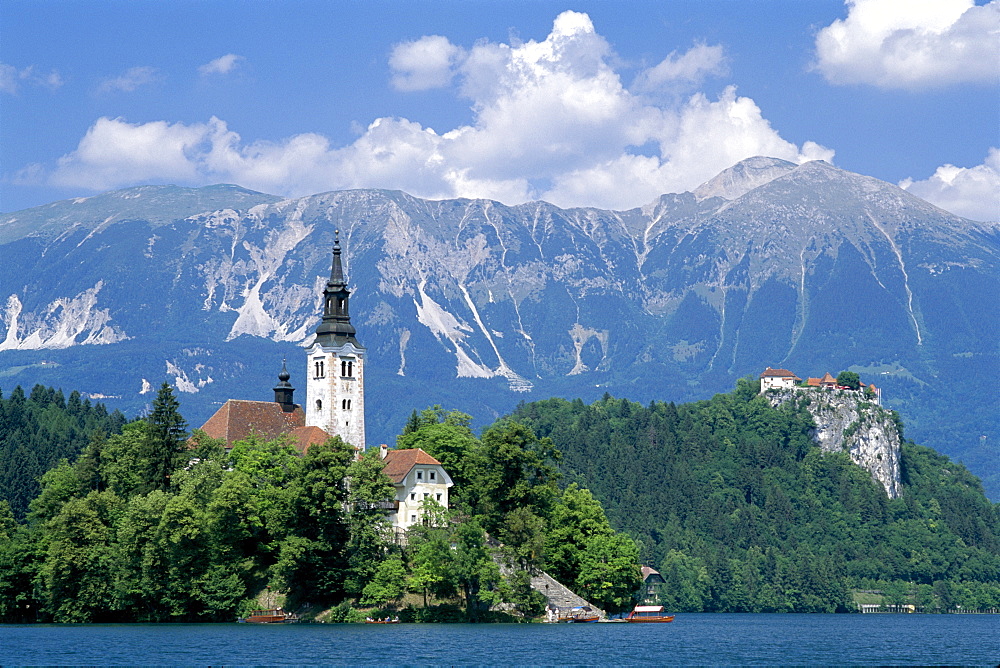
column 337, row 270
column 335, row 328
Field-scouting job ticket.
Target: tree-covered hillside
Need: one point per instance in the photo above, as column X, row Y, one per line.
column 739, row 510
column 38, row 430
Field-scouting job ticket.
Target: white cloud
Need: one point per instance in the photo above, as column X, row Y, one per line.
column 690, row 67
column 114, row 152
column 11, row 78
column 972, row 192
column 552, row 120
column 8, row 78
column 221, row 65
column 912, row 43
column 424, row 64
column 131, row 79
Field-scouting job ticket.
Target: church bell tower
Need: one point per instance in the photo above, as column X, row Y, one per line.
column 335, row 371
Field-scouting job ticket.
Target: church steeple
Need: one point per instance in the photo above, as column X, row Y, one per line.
column 336, row 328
column 335, row 371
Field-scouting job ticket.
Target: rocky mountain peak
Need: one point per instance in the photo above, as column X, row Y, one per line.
column 743, row 177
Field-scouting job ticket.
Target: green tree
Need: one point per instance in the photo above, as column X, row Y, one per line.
column 475, row 570
column 387, row 584
column 371, row 492
column 447, row 437
column 849, row 379
column 76, row 575
column 576, row 518
column 165, row 446
column 609, row 572
column 312, row 559
column 513, row 468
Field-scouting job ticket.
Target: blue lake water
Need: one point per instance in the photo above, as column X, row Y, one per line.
column 693, row 639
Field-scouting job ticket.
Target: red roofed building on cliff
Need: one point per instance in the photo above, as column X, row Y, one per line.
column 777, row 379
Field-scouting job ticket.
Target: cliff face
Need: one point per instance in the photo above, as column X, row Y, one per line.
column 846, row 422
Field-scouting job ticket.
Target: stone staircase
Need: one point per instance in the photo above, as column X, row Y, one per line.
column 559, row 596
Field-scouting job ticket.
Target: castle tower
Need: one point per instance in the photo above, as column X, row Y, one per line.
column 335, row 374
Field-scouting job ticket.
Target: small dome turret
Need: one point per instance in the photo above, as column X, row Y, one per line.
column 283, row 391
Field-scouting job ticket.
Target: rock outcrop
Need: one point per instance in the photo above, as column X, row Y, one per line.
column 846, row 421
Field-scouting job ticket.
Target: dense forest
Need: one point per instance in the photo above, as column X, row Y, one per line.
column 740, row 511
column 38, row 430
column 149, row 525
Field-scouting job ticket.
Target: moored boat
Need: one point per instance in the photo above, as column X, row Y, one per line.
column 580, row 615
column 387, row 620
column 270, row 616
column 648, row 614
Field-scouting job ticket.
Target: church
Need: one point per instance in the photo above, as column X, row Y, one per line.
column 334, row 406
column 335, row 385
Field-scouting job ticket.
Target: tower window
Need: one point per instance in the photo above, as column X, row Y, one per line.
column 343, row 368
column 420, row 475
column 350, row 369
column 319, row 404
column 319, row 369
column 433, row 475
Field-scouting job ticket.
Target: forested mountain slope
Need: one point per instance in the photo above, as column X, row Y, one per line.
column 740, row 510
column 38, row 430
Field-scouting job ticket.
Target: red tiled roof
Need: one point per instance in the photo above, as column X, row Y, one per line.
column 237, row 419
column 308, row 436
column 399, row 462
column 647, row 571
column 813, row 382
column 778, row 373
column 827, row 379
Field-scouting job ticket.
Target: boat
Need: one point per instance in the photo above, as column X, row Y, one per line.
column 648, row 614
column 580, row 615
column 394, row 620
column 270, row 616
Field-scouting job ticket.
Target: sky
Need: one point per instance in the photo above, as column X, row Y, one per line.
column 590, row 103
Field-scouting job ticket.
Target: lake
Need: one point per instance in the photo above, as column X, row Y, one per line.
column 692, row 639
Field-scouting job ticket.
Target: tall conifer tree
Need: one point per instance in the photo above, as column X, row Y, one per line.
column 166, row 439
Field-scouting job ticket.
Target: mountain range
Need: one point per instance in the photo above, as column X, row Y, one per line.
column 475, row 305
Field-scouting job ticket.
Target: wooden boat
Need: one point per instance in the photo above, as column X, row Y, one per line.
column 382, row 621
column 585, row 619
column 270, row 616
column 580, row 615
column 648, row 614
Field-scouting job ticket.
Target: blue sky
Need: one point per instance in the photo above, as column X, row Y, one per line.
column 602, row 104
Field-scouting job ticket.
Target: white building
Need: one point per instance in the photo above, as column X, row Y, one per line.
column 777, row 379
column 416, row 476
